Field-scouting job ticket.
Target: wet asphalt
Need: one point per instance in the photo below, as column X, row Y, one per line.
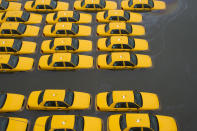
column 172, row 40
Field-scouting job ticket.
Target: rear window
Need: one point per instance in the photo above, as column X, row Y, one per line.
column 4, row 123
column 17, row 44
column 40, row 98
column 108, row 59
column 123, row 122
column 48, row 124
column 50, row 59
column 153, row 122
column 138, row 98
column 69, row 98
column 75, row 43
column 106, row 14
column 109, row 98
column 79, row 123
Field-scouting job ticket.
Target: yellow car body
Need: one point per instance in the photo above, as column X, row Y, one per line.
column 13, row 29
column 65, row 61
column 127, row 100
column 21, row 17
column 9, row 6
column 13, row 124
column 122, row 43
column 141, row 122
column 50, row 99
column 68, row 16
column 12, row 63
column 68, row 123
column 120, row 28
column 11, row 102
column 118, row 16
column 123, row 60
column 143, row 5
column 63, row 45
column 66, row 29
column 94, row 5
column 16, row 46
column 46, row 6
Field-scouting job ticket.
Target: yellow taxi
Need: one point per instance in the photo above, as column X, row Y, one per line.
column 94, row 5
column 126, row 100
column 12, row 63
column 120, row 28
column 118, row 15
column 65, row 61
column 46, row 6
column 61, row 45
column 66, row 29
column 13, row 29
column 122, row 43
column 68, row 16
column 13, row 124
column 10, row 102
column 16, row 46
column 123, row 60
column 141, row 122
column 50, row 99
column 21, row 17
column 9, row 6
column 143, row 5
column 68, row 123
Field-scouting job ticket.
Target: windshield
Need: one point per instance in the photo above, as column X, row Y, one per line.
column 48, row 124
column 153, row 122
column 106, row 14
column 53, row 4
column 75, row 59
column 106, row 27
column 108, row 59
column 50, row 59
column 40, row 98
column 55, row 16
column 13, row 61
column 133, row 59
column 4, row 4
column 51, row 44
column 127, row 15
column 131, row 42
column 108, row 42
column 79, row 123
column 109, row 98
column 76, row 15
column 75, row 43
column 53, row 28
column 2, row 99
column 123, row 122
column 75, row 28
column 130, row 3
column 17, row 44
column 21, row 28
column 138, row 98
column 151, row 3
column 69, row 98
column 129, row 28
column 25, row 16
column 102, row 3
column 4, row 123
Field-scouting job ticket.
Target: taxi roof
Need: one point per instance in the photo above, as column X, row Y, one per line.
column 4, row 58
column 119, row 40
column 62, row 41
column 117, row 25
column 61, row 26
column 45, row 2
column 116, row 13
column 63, row 121
column 9, row 25
column 92, row 1
column 6, row 42
column 120, row 56
column 14, row 13
column 140, row 1
column 54, row 95
column 65, row 13
column 61, row 57
column 123, row 96
column 137, row 120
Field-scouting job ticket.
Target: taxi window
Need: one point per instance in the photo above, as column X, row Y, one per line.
column 3, row 97
column 51, row 44
column 68, row 64
column 153, row 122
column 126, row 46
column 40, row 97
column 98, row 6
column 33, row 4
column 115, row 32
column 83, row 3
column 71, row 19
column 116, row 46
column 118, row 63
column 113, row 18
column 58, row 64
column 25, row 16
column 135, row 129
column 132, row 105
column 55, row 16
column 10, row 19
column 151, row 3
column 128, row 63
column 48, row 123
column 79, row 123
column 3, row 16
column 4, row 123
column 62, row 104
column 124, row 32
column 69, row 48
column 10, row 49
column 70, row 32
column 15, row 32
column 4, row 4
column 106, row 27
column 108, row 42
column 75, row 28
column 121, row 105
column 5, row 31
column 76, row 15
column 19, row 19
column 146, row 6
column 103, row 3
column 40, row 7
column 108, row 59
column 61, row 32
column 127, row 15
column 69, row 98
column 50, row 103
column 5, row 66
column 2, row 49
column 60, row 48
column 123, row 122
column 48, row 7
column 89, row 6
column 75, row 43
column 53, row 28
column 122, row 18
column 53, row 4
column 138, row 6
